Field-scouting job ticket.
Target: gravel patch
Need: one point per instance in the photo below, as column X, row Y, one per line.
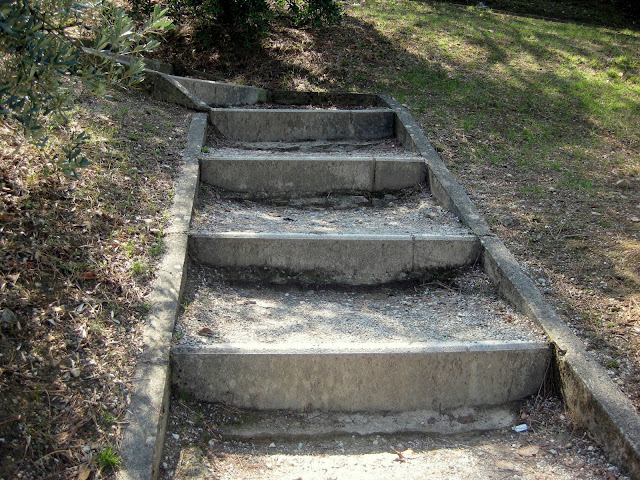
column 464, row 309
column 409, row 212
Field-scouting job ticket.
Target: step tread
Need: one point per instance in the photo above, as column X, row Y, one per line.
column 222, row 147
column 466, row 310
column 549, row 449
column 416, row 213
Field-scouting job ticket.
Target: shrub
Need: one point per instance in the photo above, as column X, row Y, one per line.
column 314, row 12
column 40, row 47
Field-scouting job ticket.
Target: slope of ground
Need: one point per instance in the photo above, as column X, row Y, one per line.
column 76, row 260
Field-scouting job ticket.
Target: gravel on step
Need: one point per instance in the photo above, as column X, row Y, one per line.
column 464, row 309
column 221, row 147
column 408, row 212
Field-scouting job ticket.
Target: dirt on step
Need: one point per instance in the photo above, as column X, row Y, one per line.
column 550, row 448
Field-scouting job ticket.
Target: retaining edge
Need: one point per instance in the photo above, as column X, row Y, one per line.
column 594, row 401
column 141, row 445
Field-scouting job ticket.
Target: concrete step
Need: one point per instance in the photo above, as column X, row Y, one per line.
column 294, row 125
column 312, row 174
column 203, row 441
column 407, row 212
column 375, row 349
column 344, row 259
column 403, row 236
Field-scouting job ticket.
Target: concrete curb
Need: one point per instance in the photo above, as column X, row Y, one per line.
column 352, row 378
column 141, row 445
column 593, row 400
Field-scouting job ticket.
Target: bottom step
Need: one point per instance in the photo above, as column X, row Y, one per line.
column 374, row 377
column 196, row 448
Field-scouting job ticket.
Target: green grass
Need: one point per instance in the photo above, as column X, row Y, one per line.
column 530, row 92
column 108, row 459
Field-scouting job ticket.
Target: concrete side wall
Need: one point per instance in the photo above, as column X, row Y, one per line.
column 348, row 259
column 167, row 89
column 432, row 377
column 312, row 174
column 272, row 125
column 143, row 438
column 218, row 94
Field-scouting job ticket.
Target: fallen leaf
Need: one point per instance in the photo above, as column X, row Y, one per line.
column 404, row 455
column 89, row 276
column 530, row 451
column 83, row 472
column 205, row 331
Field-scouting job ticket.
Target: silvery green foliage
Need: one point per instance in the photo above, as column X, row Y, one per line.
column 40, row 46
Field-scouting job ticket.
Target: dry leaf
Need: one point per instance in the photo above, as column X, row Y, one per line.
column 205, row 331
column 404, row 455
column 84, row 472
column 89, row 276
column 530, row 451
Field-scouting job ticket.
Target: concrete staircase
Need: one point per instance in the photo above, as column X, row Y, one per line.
column 343, row 289
column 278, row 163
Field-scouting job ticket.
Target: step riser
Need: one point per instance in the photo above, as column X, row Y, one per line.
column 265, row 125
column 435, row 379
column 348, row 259
column 312, row 175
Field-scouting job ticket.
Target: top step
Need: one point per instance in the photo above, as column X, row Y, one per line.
column 298, row 125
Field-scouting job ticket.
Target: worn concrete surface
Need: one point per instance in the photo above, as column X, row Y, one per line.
column 273, row 424
column 295, row 125
column 350, row 259
column 147, row 416
column 317, row 174
column 360, row 377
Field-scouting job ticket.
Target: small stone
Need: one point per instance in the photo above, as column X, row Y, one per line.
column 635, row 219
column 272, row 445
column 623, row 183
column 620, row 382
column 175, row 436
column 541, row 281
column 75, row 372
column 508, row 221
column 553, row 452
column 8, row 318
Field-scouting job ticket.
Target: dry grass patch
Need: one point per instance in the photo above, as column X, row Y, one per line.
column 76, row 260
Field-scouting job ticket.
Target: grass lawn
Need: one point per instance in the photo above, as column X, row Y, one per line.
column 536, row 113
